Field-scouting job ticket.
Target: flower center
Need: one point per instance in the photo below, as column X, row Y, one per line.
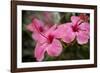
column 41, row 29
column 50, row 38
column 75, row 28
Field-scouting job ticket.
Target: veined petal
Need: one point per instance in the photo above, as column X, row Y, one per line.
column 38, row 23
column 70, row 35
column 40, row 51
column 75, row 19
column 39, row 38
column 51, row 30
column 82, row 37
column 55, row 48
column 35, row 26
column 85, row 26
column 61, row 30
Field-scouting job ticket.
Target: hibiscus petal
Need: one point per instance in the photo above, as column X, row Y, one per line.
column 38, row 38
column 82, row 37
column 75, row 19
column 70, row 35
column 40, row 51
column 55, row 48
column 60, row 31
column 29, row 27
column 38, row 23
column 51, row 30
column 35, row 25
column 85, row 26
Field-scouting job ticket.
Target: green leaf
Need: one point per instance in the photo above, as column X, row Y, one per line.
column 48, row 58
column 67, row 16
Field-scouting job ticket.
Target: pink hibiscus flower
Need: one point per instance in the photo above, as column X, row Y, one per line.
column 50, row 45
column 37, row 27
column 78, row 29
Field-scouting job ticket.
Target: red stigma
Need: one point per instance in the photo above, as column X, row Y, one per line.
column 41, row 29
column 50, row 38
column 75, row 28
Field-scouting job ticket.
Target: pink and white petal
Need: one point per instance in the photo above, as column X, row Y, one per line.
column 55, row 48
column 38, row 38
column 40, row 51
column 75, row 19
column 70, row 35
column 85, row 26
column 82, row 37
